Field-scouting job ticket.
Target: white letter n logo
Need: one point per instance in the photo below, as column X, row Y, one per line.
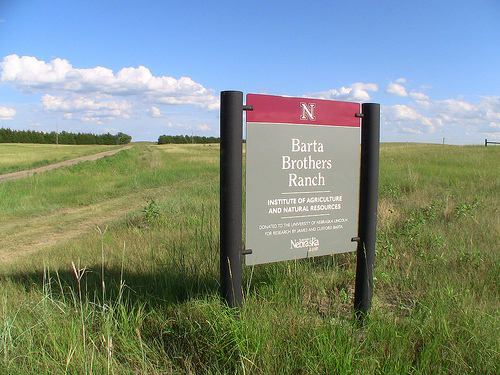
column 308, row 111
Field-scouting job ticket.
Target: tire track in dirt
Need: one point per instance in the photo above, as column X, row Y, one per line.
column 25, row 236
column 21, row 174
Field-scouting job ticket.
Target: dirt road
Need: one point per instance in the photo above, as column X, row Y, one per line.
column 15, row 175
column 26, row 235
column 23, row 236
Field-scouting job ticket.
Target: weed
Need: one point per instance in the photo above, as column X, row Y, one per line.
column 152, row 214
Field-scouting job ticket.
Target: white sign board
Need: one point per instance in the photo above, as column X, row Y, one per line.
column 302, row 177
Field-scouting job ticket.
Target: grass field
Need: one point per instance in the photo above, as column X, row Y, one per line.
column 16, row 157
column 111, row 267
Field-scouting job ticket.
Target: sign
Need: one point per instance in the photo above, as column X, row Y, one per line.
column 302, row 177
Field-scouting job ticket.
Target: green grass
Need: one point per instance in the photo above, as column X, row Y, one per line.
column 16, row 157
column 138, row 292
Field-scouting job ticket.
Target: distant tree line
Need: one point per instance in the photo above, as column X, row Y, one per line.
column 63, row 138
column 165, row 139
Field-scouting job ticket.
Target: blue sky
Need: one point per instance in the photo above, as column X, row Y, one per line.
column 149, row 68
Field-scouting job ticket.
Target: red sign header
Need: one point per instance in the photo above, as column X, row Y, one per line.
column 292, row 110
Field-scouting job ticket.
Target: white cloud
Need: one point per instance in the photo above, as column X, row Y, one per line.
column 489, row 107
column 456, row 108
column 396, row 89
column 155, row 112
column 418, row 95
column 364, row 86
column 483, row 116
column 424, row 104
column 87, row 108
column 452, row 115
column 7, row 113
column 98, row 93
column 34, row 124
column 204, row 127
column 405, row 119
column 181, row 125
column 357, row 92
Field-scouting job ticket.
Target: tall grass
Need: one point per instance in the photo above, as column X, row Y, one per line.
column 139, row 294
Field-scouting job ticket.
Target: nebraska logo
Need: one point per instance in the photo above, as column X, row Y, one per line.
column 308, row 111
column 304, row 242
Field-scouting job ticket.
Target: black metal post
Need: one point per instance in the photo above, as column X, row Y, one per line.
column 370, row 145
column 231, row 203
